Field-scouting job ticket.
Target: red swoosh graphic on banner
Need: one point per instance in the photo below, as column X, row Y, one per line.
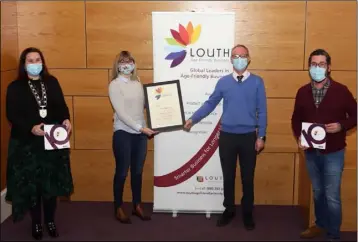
column 193, row 165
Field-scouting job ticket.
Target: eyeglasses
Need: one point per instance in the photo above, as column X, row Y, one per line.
column 321, row 64
column 125, row 61
column 239, row 56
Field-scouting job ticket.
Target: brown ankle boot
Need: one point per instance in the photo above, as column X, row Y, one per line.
column 122, row 217
column 138, row 211
column 312, row 232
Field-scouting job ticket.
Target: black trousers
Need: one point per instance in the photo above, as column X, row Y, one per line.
column 49, row 207
column 231, row 147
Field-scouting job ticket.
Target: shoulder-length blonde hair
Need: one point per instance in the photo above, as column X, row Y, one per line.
column 123, row 55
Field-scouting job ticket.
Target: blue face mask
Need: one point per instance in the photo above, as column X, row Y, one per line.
column 317, row 73
column 240, row 63
column 34, row 69
column 126, row 69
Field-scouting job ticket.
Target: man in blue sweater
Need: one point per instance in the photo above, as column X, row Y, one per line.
column 243, row 131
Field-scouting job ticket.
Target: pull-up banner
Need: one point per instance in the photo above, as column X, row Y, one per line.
column 194, row 48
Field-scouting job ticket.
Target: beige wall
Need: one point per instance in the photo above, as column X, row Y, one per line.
column 80, row 40
column 9, row 57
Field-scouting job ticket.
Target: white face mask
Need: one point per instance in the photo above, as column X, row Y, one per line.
column 318, row 74
column 126, row 69
column 240, row 63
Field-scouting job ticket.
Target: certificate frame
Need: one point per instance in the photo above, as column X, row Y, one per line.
column 178, row 101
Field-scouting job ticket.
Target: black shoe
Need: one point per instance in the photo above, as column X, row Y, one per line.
column 249, row 222
column 52, row 230
column 37, row 231
column 225, row 218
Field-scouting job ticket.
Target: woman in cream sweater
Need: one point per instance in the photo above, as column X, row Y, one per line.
column 130, row 134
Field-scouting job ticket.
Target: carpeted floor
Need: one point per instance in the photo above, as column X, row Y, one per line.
column 94, row 221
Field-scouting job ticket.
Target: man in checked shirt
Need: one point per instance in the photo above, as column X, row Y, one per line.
column 325, row 101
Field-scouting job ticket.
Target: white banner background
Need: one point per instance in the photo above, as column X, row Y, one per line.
column 206, row 60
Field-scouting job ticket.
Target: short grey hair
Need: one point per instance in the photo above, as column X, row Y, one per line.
column 242, row 46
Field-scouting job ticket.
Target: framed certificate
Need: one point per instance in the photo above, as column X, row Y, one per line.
column 313, row 135
column 164, row 106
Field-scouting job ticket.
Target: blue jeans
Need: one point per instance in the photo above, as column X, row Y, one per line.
column 129, row 150
column 325, row 171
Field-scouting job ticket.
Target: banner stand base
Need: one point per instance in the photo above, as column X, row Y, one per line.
column 175, row 213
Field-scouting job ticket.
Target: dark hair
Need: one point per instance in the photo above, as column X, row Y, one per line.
column 22, row 73
column 320, row 52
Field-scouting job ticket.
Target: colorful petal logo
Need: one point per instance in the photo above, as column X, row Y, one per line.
column 200, row 178
column 159, row 91
column 181, row 39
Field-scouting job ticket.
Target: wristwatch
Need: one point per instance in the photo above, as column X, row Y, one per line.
column 263, row 138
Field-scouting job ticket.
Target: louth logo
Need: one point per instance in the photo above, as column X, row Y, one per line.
column 209, row 178
column 200, row 178
column 177, row 45
column 158, row 91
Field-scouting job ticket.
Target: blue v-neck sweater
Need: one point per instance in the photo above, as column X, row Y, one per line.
column 244, row 109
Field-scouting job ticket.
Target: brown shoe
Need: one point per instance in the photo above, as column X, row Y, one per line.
column 122, row 217
column 311, row 232
column 138, row 211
